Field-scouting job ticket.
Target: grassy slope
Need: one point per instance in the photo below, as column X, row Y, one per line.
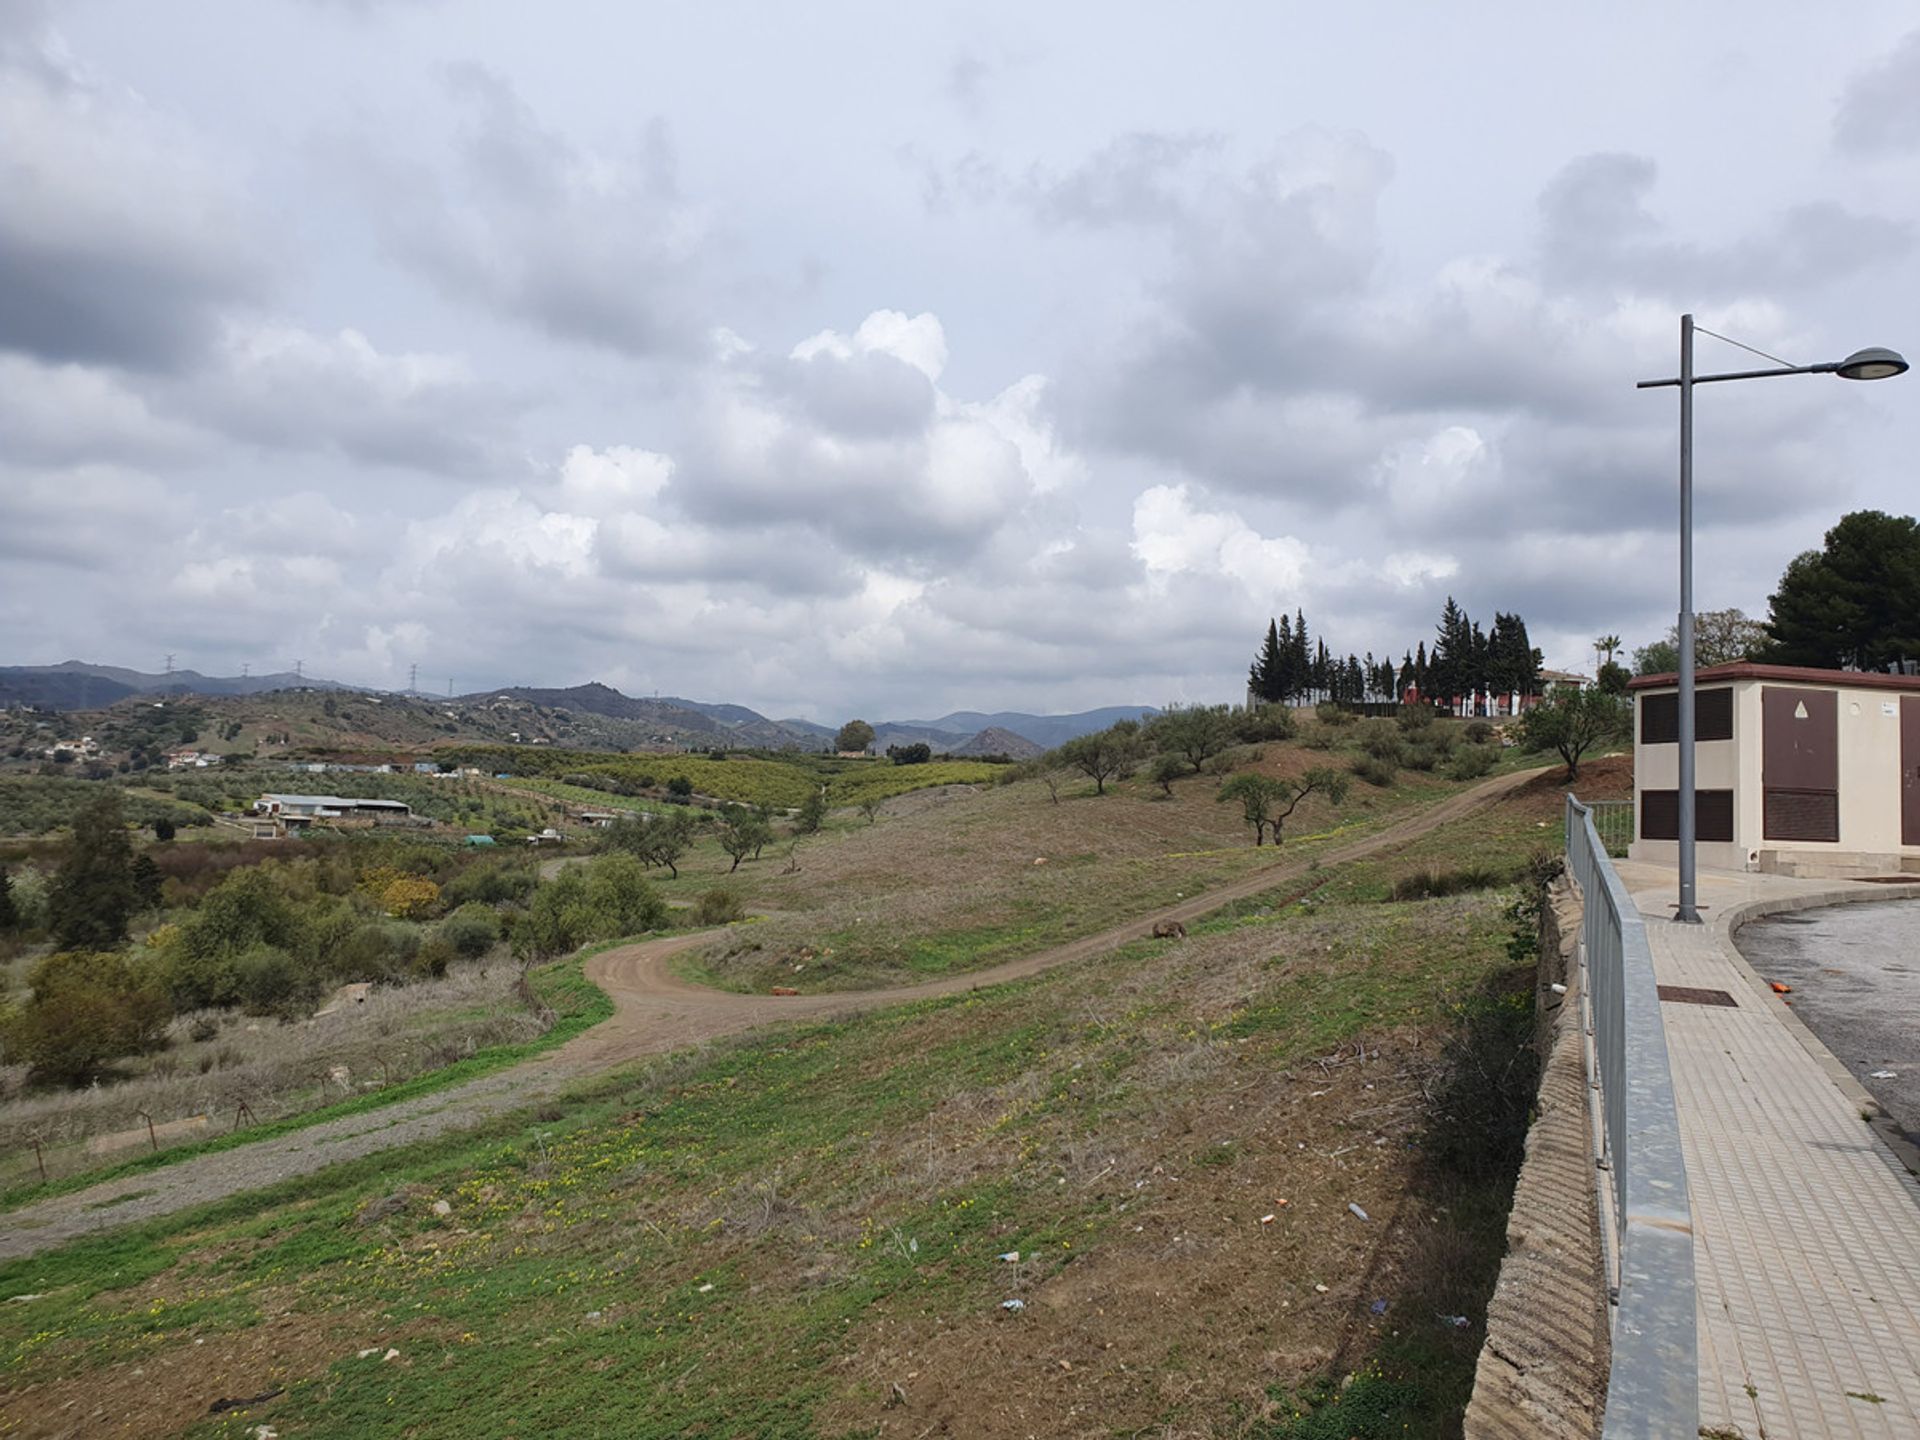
column 576, row 1004
column 843, row 1190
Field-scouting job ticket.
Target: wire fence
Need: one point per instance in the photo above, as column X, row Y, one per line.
column 1613, row 822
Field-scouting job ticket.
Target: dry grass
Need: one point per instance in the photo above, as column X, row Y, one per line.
column 273, row 1068
column 956, row 881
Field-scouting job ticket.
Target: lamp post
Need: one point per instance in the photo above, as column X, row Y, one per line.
column 1869, row 364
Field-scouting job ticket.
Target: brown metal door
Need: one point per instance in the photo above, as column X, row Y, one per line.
column 1799, row 764
column 1910, row 770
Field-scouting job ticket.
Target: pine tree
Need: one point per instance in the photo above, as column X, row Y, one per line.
column 93, row 895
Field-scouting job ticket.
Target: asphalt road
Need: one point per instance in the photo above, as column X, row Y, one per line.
column 1855, row 973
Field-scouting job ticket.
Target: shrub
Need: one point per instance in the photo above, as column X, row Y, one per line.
column 1331, row 712
column 493, row 882
column 1219, row 765
column 1380, row 740
column 1379, row 773
column 86, row 1009
column 680, row 785
column 1478, row 732
column 1470, row 763
column 163, row 828
column 918, row 753
column 1422, row 755
column 1431, row 884
column 471, row 931
column 1267, row 722
column 408, row 897
column 269, row 981
column 377, row 952
column 718, row 906
column 1415, row 718
column 431, row 960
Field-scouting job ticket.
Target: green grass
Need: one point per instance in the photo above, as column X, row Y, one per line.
column 767, row 1169
column 577, row 1004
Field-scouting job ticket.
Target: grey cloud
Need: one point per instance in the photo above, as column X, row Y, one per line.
column 1139, row 179
column 1880, row 111
column 290, row 389
column 115, row 246
column 1598, row 230
column 866, row 396
column 600, row 249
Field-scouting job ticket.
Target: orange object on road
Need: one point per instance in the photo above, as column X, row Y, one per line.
column 1780, row 989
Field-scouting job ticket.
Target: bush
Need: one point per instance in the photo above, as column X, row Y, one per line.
column 471, row 931
column 918, row 753
column 1219, row 765
column 1470, row 763
column 718, row 906
column 1478, row 732
column 377, row 952
column 1422, row 755
column 86, row 1009
column 1380, row 740
column 1432, row 884
column 1267, row 722
column 1333, row 713
column 1379, row 773
column 680, row 785
column 495, row 882
column 271, row 982
column 1415, row 718
column 408, row 897
column 431, row 960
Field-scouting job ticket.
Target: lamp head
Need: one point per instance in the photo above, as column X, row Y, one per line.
column 1872, row 363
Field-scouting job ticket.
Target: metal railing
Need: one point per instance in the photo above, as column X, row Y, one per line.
column 1613, row 822
column 1653, row 1387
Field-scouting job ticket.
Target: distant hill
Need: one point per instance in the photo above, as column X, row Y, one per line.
column 995, row 741
column 81, row 685
column 635, row 721
column 1046, row 731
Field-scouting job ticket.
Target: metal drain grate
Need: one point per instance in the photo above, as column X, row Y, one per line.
column 1691, row 995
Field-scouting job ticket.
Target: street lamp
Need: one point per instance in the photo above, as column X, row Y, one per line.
column 1869, row 364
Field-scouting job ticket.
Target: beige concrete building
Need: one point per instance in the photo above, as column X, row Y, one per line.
column 1797, row 772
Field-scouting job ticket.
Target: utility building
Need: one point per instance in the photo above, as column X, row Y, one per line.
column 1797, row 772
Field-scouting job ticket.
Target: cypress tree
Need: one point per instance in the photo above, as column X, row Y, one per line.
column 1265, row 677
column 93, row 894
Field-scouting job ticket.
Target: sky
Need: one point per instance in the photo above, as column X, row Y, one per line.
column 869, row 359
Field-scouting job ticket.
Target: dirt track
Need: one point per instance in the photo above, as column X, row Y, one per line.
column 655, row 1011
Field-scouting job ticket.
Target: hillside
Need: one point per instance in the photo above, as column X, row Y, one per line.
column 1120, row 1187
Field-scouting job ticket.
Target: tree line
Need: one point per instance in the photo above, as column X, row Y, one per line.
column 1292, row 667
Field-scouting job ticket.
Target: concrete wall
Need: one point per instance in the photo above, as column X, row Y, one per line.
column 1543, row 1369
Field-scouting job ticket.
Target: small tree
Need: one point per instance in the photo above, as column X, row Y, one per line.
column 660, row 840
column 870, row 807
column 742, row 833
column 854, row 735
column 163, row 828
column 1104, row 755
column 9, row 911
column 1193, row 732
column 1572, row 722
column 813, row 812
column 1166, row 770
column 918, row 753
column 1267, row 802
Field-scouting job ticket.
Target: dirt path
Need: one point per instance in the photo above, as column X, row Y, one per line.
column 655, row 1012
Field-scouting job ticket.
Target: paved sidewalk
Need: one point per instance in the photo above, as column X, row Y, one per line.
column 1806, row 1225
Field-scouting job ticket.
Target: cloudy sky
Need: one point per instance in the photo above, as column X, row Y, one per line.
column 887, row 359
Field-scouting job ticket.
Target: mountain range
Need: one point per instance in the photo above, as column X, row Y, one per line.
column 79, row 685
